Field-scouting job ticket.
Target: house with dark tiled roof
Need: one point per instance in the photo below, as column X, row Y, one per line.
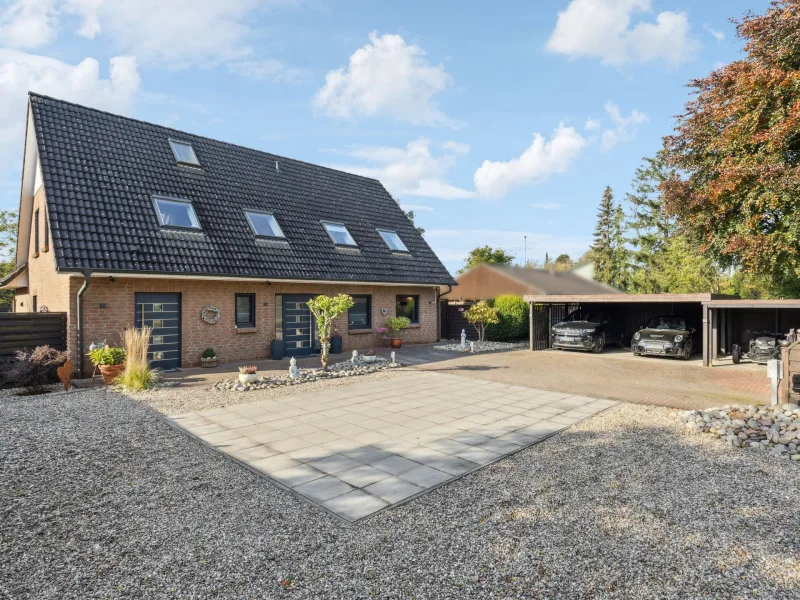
column 124, row 223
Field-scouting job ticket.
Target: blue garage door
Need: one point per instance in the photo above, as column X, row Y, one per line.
column 162, row 312
column 298, row 326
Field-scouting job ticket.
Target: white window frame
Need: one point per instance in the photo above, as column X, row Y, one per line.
column 192, row 214
column 173, row 142
column 248, row 211
column 333, row 239
column 404, row 249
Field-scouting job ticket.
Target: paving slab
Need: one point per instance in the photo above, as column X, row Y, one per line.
column 364, row 447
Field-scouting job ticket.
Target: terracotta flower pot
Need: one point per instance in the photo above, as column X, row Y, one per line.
column 397, row 342
column 111, row 372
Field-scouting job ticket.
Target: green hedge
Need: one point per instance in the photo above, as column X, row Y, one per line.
column 513, row 325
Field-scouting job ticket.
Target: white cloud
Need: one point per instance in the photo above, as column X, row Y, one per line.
column 716, row 33
column 546, row 205
column 410, row 171
column 625, row 129
column 602, row 29
column 541, row 159
column 386, row 77
column 28, row 24
column 591, row 124
column 166, row 33
column 81, row 83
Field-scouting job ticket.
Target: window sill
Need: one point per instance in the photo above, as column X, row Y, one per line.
column 360, row 331
column 413, row 326
column 246, row 330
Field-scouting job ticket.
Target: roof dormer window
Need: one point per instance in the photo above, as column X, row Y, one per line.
column 393, row 240
column 264, row 224
column 175, row 212
column 184, row 153
column 339, row 234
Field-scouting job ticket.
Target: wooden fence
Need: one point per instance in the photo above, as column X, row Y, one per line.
column 20, row 331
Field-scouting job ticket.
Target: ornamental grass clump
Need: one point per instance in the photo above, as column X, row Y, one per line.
column 138, row 375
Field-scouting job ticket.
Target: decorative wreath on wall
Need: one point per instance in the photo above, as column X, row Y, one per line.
column 210, row 314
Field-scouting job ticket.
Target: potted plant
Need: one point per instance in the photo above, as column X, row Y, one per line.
column 383, row 336
column 208, row 359
column 397, row 325
column 110, row 361
column 336, row 342
column 277, row 349
column 248, row 374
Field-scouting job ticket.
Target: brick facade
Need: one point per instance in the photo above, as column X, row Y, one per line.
column 109, row 307
column 231, row 344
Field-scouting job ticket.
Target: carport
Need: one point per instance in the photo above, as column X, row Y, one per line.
column 633, row 310
column 736, row 321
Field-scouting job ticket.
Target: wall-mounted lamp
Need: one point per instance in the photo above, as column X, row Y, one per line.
column 111, row 279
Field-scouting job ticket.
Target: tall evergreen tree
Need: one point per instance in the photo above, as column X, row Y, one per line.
column 652, row 227
column 608, row 251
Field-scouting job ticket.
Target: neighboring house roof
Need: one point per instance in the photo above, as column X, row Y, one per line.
column 490, row 280
column 101, row 170
column 18, row 278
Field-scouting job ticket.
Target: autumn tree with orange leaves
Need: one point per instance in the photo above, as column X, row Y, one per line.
column 737, row 152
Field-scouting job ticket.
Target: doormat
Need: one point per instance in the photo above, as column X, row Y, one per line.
column 171, row 370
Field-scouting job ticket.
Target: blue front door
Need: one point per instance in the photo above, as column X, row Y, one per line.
column 299, row 332
column 162, row 312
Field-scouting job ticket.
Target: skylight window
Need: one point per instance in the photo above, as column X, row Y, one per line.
column 175, row 213
column 264, row 224
column 393, row 240
column 184, row 153
column 339, row 234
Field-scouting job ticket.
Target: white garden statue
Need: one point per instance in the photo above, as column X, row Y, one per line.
column 294, row 370
column 463, row 339
column 354, row 359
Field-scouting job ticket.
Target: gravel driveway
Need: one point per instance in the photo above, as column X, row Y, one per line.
column 100, row 499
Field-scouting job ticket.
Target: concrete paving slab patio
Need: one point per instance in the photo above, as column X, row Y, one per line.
column 362, row 448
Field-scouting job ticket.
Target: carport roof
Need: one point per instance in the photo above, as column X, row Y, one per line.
column 740, row 303
column 628, row 298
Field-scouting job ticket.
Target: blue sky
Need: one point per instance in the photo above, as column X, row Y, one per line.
column 491, row 121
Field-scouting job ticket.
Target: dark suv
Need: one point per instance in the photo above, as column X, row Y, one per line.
column 589, row 330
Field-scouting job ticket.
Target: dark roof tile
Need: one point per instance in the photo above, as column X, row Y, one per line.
column 100, row 171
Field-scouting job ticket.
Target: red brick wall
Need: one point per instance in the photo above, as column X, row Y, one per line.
column 230, row 345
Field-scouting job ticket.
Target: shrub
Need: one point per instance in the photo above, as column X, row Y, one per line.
column 107, row 356
column 137, row 374
column 209, row 353
column 249, row 370
column 513, row 325
column 397, row 325
column 34, row 370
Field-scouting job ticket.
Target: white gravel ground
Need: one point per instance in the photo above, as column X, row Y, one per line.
column 101, row 499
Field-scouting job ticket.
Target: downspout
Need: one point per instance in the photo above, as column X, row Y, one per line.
column 86, row 280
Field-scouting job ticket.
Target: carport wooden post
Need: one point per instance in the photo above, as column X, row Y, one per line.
column 714, row 334
column 530, row 325
column 706, row 327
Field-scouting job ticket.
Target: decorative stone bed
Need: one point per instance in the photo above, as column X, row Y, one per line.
column 482, row 346
column 773, row 428
column 363, row 366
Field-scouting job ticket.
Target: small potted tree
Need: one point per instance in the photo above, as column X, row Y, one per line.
column 248, row 374
column 277, row 349
column 326, row 310
column 208, row 359
column 397, row 325
column 110, row 361
column 480, row 315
